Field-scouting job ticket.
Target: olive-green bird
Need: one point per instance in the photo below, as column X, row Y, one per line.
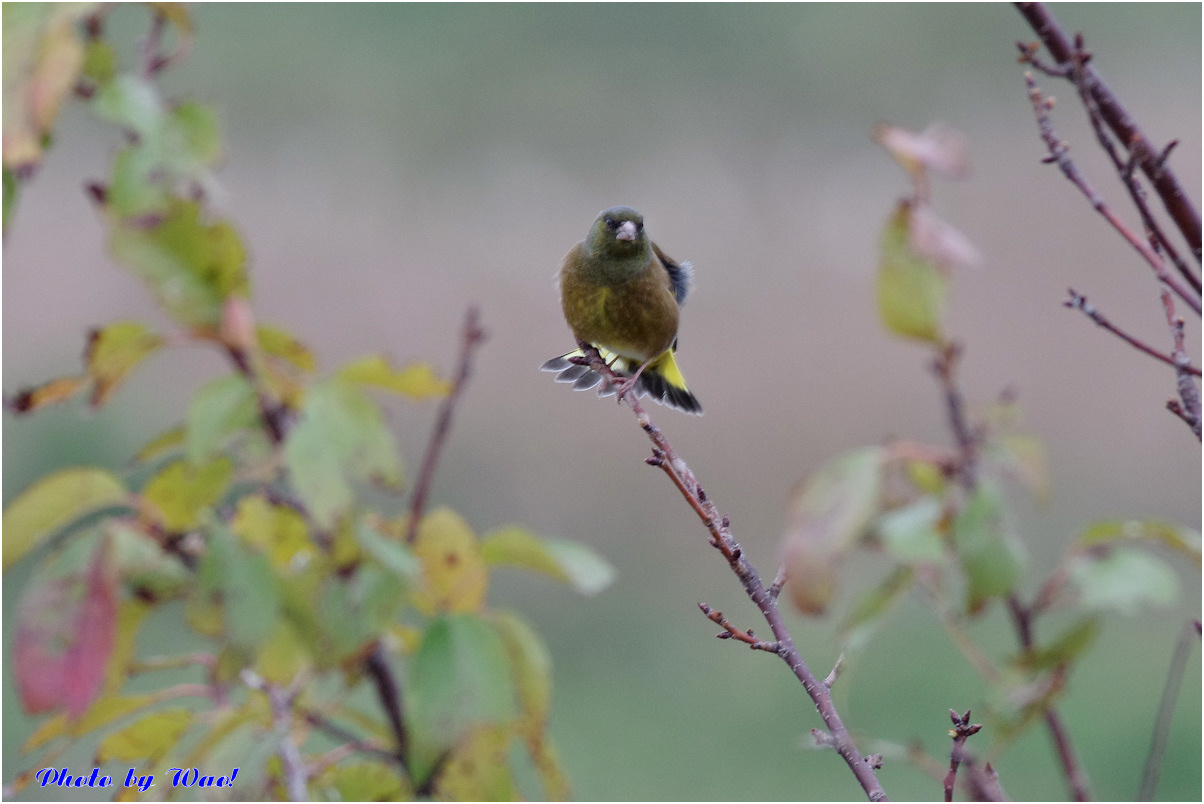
column 622, row 294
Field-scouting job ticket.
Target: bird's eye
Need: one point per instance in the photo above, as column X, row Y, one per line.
column 639, row 226
column 610, row 223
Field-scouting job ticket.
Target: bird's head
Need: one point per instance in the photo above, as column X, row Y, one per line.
column 618, row 231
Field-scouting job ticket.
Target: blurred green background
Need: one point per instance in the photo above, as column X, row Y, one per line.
column 390, row 164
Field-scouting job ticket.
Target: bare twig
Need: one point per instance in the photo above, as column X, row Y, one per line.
column 1176, row 201
column 1058, row 154
column 1077, row 301
column 732, row 632
column 1188, row 392
column 1166, row 711
column 962, row 730
column 471, row 336
column 665, row 458
column 967, row 438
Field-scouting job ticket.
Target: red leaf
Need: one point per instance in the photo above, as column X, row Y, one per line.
column 65, row 633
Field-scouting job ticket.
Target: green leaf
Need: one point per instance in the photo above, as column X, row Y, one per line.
column 392, row 554
column 54, row 502
column 282, row 656
column 1069, row 645
column 460, row 678
column 911, row 289
column 12, row 190
column 910, row 533
column 530, row 667
column 161, row 444
column 873, row 607
column 248, row 589
column 100, row 61
column 341, row 435
column 417, row 380
column 221, row 407
column 113, row 352
column 1178, row 538
column 827, row 513
column 191, row 266
column 131, row 101
column 365, row 781
column 1124, row 581
column 565, row 561
column 149, row 738
column 147, row 570
column 1024, row 457
column 181, row 491
column 198, row 138
column 990, row 556
column 279, row 343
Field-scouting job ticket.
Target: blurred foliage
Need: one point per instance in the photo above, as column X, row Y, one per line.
column 249, row 512
column 940, row 518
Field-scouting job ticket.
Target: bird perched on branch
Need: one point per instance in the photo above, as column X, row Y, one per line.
column 622, row 295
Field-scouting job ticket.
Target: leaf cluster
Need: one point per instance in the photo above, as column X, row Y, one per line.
column 299, row 597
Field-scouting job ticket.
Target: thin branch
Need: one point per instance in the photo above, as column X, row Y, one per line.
column 1188, row 392
column 967, row 439
column 945, row 368
column 1058, row 154
column 666, row 458
column 1079, row 302
column 1166, row 711
column 1076, row 777
column 389, row 694
column 295, row 774
column 1177, row 203
column 349, row 738
column 732, row 632
column 471, row 337
column 962, row 730
column 1125, row 168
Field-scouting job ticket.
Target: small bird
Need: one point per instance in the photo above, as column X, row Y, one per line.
column 622, row 294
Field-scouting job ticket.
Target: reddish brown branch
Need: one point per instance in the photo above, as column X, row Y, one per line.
column 962, row 730
column 1058, row 154
column 1189, row 394
column 471, row 337
column 1079, row 302
column 732, row 632
column 1176, row 201
column 666, row 458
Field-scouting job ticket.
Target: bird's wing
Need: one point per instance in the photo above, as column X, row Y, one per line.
column 681, row 274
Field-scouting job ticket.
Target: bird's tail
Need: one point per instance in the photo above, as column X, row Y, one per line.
column 661, row 380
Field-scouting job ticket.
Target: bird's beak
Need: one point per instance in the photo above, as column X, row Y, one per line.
column 626, row 231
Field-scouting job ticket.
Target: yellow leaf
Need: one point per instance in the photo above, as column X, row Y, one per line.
column 282, row 657
column 911, row 289
column 454, row 573
column 53, row 502
column 182, row 490
column 277, row 531
column 416, row 380
column 57, row 390
column 148, row 738
column 478, row 768
column 113, row 352
column 277, row 342
column 161, row 444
